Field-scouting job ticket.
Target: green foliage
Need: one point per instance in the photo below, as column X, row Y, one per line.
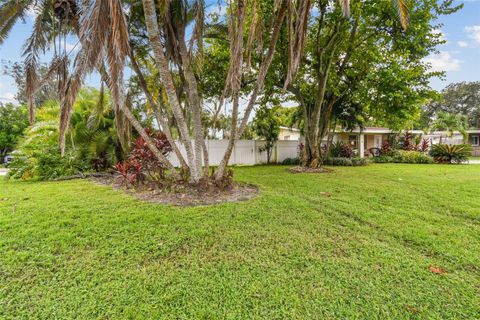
column 448, row 153
column 95, row 136
column 39, row 148
column 346, row 162
column 93, row 147
column 450, row 123
column 51, row 165
column 462, row 98
column 13, row 121
column 341, row 149
column 382, row 159
column 291, row 161
column 403, row 156
column 267, row 126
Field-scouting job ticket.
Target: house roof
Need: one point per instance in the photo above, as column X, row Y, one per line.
column 379, row 130
column 290, row 129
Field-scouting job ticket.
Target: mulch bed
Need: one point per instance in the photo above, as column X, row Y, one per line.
column 185, row 195
column 299, row 169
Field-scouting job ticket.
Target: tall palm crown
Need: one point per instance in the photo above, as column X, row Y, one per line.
column 53, row 19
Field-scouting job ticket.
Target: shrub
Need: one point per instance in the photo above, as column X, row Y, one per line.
column 382, row 159
column 142, row 165
column 340, row 149
column 448, row 153
column 424, row 145
column 338, row 161
column 359, row 162
column 291, row 161
column 387, row 149
column 51, row 165
column 346, row 162
column 403, row 156
column 408, row 143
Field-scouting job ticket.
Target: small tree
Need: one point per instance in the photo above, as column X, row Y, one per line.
column 267, row 126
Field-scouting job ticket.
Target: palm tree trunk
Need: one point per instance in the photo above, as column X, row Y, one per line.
column 161, row 120
column 167, row 80
column 195, row 102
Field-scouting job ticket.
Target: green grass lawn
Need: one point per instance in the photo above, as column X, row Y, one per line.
column 78, row 250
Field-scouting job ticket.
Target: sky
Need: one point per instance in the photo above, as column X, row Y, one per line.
column 459, row 57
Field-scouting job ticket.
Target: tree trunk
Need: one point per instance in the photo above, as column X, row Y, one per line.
column 167, row 80
column 195, row 103
column 160, row 119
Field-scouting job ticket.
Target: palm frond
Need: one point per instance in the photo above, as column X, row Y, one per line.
column 403, row 12
column 297, row 19
column 36, row 43
column 10, row 12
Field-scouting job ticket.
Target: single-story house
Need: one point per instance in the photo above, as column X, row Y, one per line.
column 287, row 133
column 362, row 140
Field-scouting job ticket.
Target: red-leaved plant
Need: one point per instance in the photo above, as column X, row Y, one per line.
column 387, row 149
column 424, row 145
column 408, row 143
column 142, row 165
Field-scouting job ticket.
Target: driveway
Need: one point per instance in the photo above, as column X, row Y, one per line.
column 474, row 161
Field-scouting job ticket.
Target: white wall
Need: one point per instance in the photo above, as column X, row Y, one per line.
column 245, row 152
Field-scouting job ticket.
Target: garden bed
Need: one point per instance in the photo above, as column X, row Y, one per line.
column 185, row 195
column 300, row 169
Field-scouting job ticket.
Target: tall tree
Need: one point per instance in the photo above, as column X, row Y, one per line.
column 367, row 62
column 459, row 98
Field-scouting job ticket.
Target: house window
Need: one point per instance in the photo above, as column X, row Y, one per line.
column 287, row 137
column 475, row 141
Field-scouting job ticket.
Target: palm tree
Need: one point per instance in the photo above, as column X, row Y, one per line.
column 450, row 123
column 54, row 19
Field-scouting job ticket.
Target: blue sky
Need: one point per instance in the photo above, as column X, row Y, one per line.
column 459, row 57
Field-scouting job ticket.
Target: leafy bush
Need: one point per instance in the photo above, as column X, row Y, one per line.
column 382, row 159
column 403, row 156
column 387, row 149
column 359, row 162
column 346, row 162
column 408, row 143
column 448, row 153
column 39, row 141
column 51, row 165
column 94, row 144
column 142, row 165
column 291, row 161
column 341, row 149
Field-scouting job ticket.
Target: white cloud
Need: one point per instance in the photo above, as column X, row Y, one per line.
column 462, row 44
column 443, row 61
column 7, row 97
column 474, row 33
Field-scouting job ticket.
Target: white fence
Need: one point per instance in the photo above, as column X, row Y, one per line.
column 246, row 152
